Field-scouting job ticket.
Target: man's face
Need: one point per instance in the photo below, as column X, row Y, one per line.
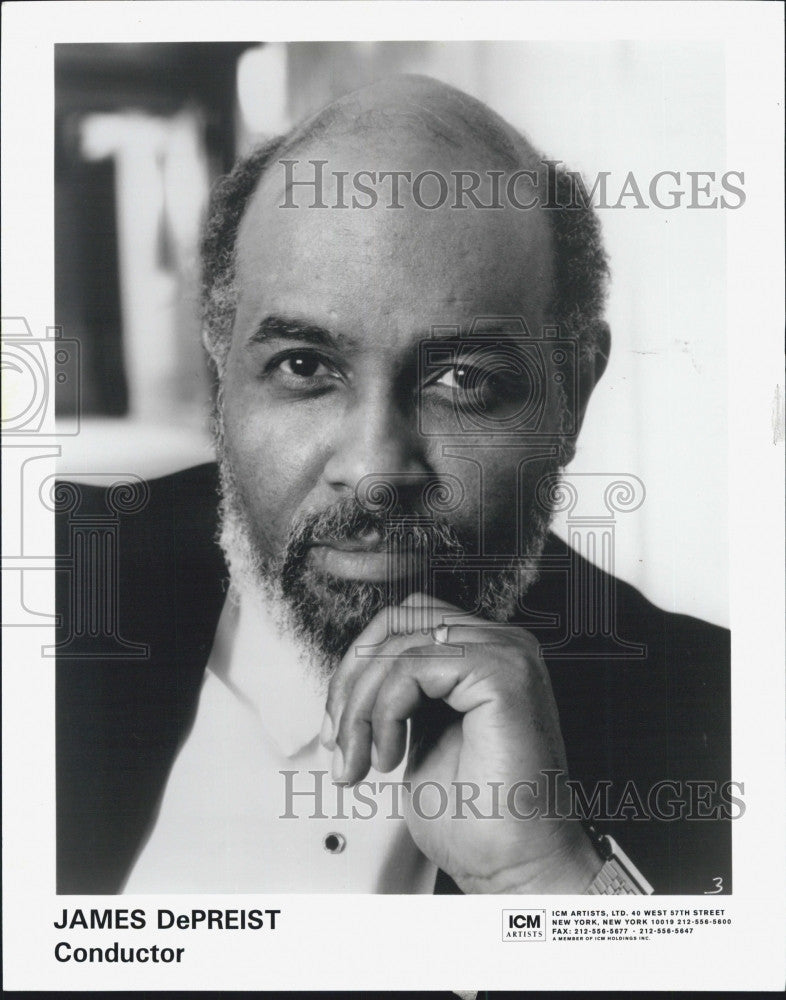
column 323, row 387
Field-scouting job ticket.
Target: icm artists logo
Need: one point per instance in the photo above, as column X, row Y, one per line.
column 523, row 925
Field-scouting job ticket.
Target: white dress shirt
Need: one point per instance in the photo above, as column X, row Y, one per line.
column 219, row 828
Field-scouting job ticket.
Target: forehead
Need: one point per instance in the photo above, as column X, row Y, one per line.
column 383, row 273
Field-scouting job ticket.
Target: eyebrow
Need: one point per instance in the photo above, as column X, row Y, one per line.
column 283, row 328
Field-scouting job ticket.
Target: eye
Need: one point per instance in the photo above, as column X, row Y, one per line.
column 497, row 383
column 454, row 378
column 301, row 368
column 303, row 364
column 481, row 379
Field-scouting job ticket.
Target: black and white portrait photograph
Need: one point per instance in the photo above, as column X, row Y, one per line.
column 393, row 494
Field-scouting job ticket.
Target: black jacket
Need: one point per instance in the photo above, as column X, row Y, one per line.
column 140, row 589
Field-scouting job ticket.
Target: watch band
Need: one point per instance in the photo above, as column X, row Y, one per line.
column 618, row 876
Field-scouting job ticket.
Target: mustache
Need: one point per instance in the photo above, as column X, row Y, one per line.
column 399, row 527
column 326, row 614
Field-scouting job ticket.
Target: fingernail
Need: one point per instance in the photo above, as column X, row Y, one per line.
column 338, row 764
column 326, row 733
column 374, row 757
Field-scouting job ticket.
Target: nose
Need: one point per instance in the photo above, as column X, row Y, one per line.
column 377, row 438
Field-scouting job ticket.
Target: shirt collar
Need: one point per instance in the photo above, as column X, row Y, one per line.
column 266, row 669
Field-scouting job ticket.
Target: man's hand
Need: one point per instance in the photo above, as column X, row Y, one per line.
column 503, row 730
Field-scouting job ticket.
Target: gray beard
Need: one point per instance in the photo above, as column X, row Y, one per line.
column 324, row 615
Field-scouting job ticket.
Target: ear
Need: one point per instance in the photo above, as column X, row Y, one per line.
column 206, row 342
column 591, row 369
column 216, row 360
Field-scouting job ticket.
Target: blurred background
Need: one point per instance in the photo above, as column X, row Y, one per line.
column 143, row 130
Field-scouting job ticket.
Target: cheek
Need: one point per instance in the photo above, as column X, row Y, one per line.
column 498, row 487
column 277, row 460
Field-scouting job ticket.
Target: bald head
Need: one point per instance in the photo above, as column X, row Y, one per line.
column 412, row 106
column 429, row 134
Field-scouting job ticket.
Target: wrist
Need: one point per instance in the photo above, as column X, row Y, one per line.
column 570, row 868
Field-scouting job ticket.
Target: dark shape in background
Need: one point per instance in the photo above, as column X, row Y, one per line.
column 159, row 79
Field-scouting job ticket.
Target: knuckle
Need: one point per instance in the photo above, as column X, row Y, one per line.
column 345, row 729
column 514, row 666
column 529, row 642
column 335, row 690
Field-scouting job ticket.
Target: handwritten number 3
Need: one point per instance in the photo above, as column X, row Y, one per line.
column 718, row 881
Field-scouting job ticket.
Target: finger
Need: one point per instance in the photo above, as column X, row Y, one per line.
column 353, row 754
column 484, row 632
column 389, row 728
column 364, row 725
column 366, row 729
column 420, row 602
column 354, row 693
column 355, row 661
column 438, row 613
column 427, row 618
column 365, row 737
column 406, row 689
column 421, row 626
column 389, row 741
column 487, row 682
column 389, row 623
column 391, row 632
column 385, row 696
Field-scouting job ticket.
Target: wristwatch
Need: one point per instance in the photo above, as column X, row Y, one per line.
column 618, row 876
